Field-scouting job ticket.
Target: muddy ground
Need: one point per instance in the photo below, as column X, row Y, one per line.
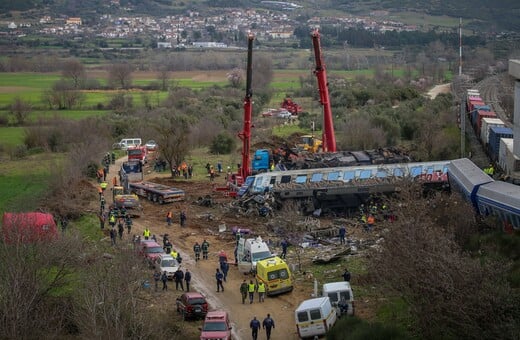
column 203, row 223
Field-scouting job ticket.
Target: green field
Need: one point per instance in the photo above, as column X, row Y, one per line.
column 23, row 182
column 11, row 136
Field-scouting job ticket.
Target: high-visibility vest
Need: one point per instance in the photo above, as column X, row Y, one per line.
column 251, row 287
column 112, row 219
column 103, row 185
column 146, row 233
column 174, row 254
column 261, row 287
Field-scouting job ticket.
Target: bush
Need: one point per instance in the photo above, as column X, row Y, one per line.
column 18, row 152
column 352, row 328
column 223, row 143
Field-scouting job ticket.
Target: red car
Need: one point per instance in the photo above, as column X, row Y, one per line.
column 216, row 326
column 150, row 250
column 192, row 305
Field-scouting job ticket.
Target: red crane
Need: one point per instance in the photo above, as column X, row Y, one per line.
column 245, row 134
column 329, row 139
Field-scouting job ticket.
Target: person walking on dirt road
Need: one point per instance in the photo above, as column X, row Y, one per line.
column 267, row 324
column 187, row 278
column 169, row 217
column 243, row 291
column 146, row 233
column 251, row 290
column 164, row 279
column 179, row 277
column 205, row 249
column 260, row 287
column 156, row 278
column 182, row 217
column 196, row 250
column 219, row 277
column 255, row 326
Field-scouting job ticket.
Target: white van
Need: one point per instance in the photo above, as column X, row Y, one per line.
column 127, row 142
column 249, row 252
column 336, row 292
column 314, row 317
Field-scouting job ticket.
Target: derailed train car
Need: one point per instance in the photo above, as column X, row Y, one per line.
column 488, row 197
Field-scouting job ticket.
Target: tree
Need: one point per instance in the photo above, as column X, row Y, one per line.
column 20, row 110
column 164, row 77
column 235, row 77
column 450, row 293
column 34, row 278
column 223, row 143
column 74, row 70
column 173, row 130
column 120, row 75
column 63, row 95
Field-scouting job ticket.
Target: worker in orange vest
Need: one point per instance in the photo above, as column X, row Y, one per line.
column 114, row 181
column 370, row 222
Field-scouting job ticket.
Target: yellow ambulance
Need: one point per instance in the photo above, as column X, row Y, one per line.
column 275, row 274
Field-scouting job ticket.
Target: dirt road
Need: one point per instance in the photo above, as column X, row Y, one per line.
column 199, row 228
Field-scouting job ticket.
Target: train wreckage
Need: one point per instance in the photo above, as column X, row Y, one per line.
column 323, row 189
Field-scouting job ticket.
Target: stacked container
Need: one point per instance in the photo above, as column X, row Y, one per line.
column 495, row 133
column 484, row 129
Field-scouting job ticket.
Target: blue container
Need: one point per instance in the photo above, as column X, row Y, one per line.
column 495, row 133
column 483, row 107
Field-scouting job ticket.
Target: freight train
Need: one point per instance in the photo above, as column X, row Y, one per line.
column 349, row 187
column 494, row 134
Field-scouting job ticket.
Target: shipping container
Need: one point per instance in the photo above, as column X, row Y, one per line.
column 507, row 161
column 486, row 124
column 483, row 114
column 495, row 133
column 482, row 107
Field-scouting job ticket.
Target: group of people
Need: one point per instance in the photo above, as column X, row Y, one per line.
column 182, row 218
column 267, row 324
column 198, row 248
column 249, row 289
column 179, row 277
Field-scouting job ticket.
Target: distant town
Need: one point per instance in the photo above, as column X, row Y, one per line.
column 192, row 29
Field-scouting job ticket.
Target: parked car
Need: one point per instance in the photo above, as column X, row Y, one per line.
column 166, row 263
column 150, row 250
column 284, row 114
column 151, row 145
column 269, row 113
column 192, row 305
column 216, row 326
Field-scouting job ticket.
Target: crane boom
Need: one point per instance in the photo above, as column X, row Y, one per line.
column 245, row 134
column 329, row 138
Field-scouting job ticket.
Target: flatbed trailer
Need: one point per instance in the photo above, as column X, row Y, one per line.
column 156, row 192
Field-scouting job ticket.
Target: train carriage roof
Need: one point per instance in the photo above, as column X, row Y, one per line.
column 467, row 175
column 501, row 194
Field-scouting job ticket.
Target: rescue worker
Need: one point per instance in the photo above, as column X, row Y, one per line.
column 182, row 217
column 187, row 278
column 342, row 232
column 120, row 228
column 343, row 306
column 114, row 181
column 164, row 279
column 284, row 248
column 156, row 278
column 103, row 186
column 100, row 192
column 102, row 203
column 346, row 275
column 205, row 249
column 174, row 253
column 169, row 217
column 196, row 250
column 267, row 324
column 179, row 277
column 243, row 291
column 219, row 277
column 128, row 222
column 255, row 326
column 113, row 236
column 168, row 246
column 251, row 290
column 260, row 287
column 370, row 222
column 146, row 233
column 112, row 220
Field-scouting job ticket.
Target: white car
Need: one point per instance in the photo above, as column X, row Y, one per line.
column 151, row 145
column 284, row 114
column 166, row 263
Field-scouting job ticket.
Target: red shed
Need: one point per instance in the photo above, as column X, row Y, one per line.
column 28, row 227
